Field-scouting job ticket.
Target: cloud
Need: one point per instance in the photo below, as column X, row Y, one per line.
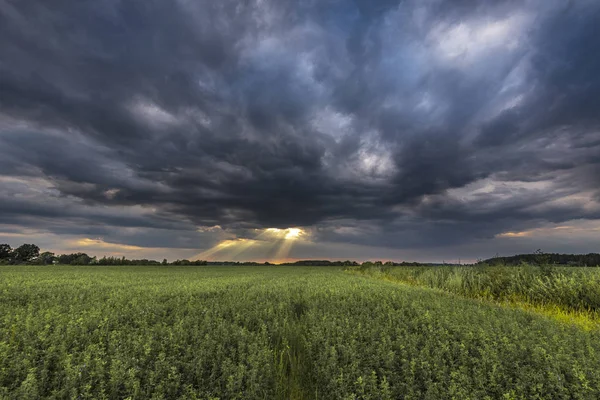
column 413, row 124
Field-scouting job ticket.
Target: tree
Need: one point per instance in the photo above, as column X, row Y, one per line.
column 5, row 251
column 82, row 259
column 46, row 258
column 26, row 253
column 541, row 258
column 74, row 259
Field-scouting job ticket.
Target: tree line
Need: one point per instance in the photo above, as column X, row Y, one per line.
column 541, row 258
column 30, row 254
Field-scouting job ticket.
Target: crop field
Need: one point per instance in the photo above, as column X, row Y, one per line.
column 69, row 332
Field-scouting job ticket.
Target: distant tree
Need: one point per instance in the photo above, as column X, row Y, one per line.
column 66, row 258
column 541, row 258
column 164, row 261
column 82, row 259
column 5, row 251
column 26, row 253
column 46, row 258
column 75, row 259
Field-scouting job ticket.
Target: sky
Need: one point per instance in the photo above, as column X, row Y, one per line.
column 274, row 130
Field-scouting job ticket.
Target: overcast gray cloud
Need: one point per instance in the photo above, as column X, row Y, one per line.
column 421, row 129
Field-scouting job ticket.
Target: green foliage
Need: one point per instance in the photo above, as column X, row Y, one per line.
column 274, row 333
column 25, row 253
column 5, row 251
column 574, row 289
column 75, row 259
column 46, row 258
column 124, row 261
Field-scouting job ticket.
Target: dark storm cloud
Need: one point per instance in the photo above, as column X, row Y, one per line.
column 372, row 121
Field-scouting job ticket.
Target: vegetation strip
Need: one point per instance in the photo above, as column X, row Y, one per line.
column 570, row 295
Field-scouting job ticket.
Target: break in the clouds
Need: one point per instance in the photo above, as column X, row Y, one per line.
column 382, row 129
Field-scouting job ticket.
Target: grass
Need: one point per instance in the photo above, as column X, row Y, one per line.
column 568, row 294
column 274, row 333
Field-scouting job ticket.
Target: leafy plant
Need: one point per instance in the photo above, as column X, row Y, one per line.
column 148, row 332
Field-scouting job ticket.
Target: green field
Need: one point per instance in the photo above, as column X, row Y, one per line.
column 275, row 333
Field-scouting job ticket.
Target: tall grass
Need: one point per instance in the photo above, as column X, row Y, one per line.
column 573, row 289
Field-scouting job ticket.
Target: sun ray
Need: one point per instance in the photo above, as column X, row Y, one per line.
column 274, row 243
column 242, row 247
column 207, row 254
column 284, row 249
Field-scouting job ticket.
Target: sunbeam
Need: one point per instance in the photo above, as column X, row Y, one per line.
column 271, row 243
column 242, row 247
column 284, row 249
column 208, row 254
